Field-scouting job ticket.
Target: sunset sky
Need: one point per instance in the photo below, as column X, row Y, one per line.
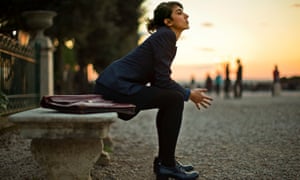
column 261, row 33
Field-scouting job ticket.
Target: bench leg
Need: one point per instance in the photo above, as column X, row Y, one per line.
column 104, row 158
column 67, row 158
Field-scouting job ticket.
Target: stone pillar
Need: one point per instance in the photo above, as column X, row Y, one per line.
column 276, row 89
column 37, row 22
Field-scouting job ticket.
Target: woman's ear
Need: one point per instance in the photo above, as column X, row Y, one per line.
column 168, row 22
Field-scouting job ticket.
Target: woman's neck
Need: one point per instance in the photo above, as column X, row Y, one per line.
column 177, row 33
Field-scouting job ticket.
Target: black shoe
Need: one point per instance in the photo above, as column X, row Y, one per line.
column 157, row 162
column 186, row 167
column 164, row 173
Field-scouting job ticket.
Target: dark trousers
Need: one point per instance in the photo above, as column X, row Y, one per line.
column 170, row 106
column 238, row 89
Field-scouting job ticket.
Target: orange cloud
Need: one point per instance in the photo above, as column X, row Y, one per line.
column 207, row 24
column 296, row 5
column 207, row 49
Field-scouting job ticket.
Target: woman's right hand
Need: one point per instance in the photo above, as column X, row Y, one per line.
column 199, row 97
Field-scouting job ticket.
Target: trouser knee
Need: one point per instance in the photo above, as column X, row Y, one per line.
column 174, row 98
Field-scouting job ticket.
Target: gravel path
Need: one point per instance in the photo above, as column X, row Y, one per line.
column 256, row 137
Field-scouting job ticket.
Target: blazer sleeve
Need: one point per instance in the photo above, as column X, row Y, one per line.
column 164, row 48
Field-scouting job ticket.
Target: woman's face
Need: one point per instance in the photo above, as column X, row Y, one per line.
column 179, row 20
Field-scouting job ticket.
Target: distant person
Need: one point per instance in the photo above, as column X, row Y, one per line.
column 276, row 75
column 77, row 79
column 126, row 81
column 238, row 85
column 276, row 87
column 208, row 83
column 218, row 83
column 67, row 80
column 192, row 82
column 227, row 85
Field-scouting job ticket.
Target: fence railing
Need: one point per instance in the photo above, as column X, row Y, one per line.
column 19, row 77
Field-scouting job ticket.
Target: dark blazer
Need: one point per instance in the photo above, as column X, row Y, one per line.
column 150, row 63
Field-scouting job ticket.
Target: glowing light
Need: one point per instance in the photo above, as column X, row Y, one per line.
column 92, row 74
column 70, row 43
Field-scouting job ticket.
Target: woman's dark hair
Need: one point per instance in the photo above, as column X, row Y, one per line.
column 162, row 11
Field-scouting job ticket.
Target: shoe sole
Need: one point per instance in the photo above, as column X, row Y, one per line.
column 164, row 177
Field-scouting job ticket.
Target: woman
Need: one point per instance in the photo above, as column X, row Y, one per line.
column 143, row 78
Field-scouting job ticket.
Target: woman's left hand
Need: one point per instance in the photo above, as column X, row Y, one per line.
column 199, row 97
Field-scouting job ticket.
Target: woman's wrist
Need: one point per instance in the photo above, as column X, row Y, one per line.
column 187, row 94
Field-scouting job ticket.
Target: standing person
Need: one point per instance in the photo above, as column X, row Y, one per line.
column 227, row 85
column 126, row 79
column 238, row 85
column 67, row 79
column 208, row 83
column 276, row 74
column 276, row 82
column 192, row 82
column 218, row 83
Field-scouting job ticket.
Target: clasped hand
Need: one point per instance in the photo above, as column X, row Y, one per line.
column 199, row 97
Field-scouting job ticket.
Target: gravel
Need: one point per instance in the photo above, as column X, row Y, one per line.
column 256, row 137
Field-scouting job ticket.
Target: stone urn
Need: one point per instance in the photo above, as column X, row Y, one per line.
column 38, row 21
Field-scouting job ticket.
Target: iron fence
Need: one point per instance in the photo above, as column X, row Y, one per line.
column 19, row 77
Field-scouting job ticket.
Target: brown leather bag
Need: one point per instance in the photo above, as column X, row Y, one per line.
column 82, row 104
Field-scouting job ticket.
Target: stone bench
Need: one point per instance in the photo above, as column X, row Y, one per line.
column 66, row 145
